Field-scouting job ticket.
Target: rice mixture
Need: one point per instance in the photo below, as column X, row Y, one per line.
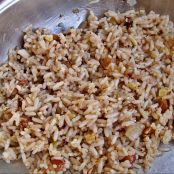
column 98, row 99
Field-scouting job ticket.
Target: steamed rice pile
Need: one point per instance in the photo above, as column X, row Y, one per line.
column 98, row 99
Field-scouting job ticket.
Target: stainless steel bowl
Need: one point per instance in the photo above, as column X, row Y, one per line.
column 58, row 15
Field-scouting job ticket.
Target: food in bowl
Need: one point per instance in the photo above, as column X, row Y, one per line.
column 97, row 99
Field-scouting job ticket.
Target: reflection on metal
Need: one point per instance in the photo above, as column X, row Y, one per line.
column 5, row 4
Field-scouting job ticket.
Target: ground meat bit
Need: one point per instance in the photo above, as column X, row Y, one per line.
column 24, row 122
column 7, row 115
column 105, row 62
column 67, row 63
column 56, row 37
column 23, row 82
column 132, row 106
column 57, row 165
column 163, row 104
column 131, row 158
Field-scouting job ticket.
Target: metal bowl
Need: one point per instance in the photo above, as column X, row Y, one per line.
column 58, row 15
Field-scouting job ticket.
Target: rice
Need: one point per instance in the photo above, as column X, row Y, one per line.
column 97, row 99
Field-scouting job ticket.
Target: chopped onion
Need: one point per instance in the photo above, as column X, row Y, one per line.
column 134, row 131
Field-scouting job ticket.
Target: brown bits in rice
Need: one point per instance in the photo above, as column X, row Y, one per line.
column 56, row 165
column 128, row 23
column 105, row 62
column 130, row 158
column 163, row 104
column 23, row 82
column 56, row 37
column 131, row 106
column 24, row 122
column 6, row 115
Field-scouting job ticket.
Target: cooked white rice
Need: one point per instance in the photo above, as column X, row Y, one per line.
column 97, row 99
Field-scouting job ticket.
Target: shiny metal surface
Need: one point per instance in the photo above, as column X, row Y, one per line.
column 58, row 15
